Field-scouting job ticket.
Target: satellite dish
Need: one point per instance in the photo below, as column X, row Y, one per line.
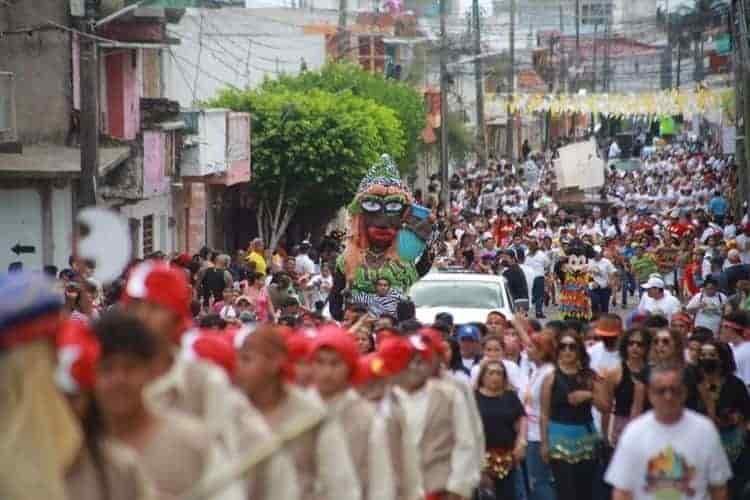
column 103, row 240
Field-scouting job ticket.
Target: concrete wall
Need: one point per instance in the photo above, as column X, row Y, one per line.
column 24, row 224
column 155, row 183
column 164, row 232
column 42, row 64
column 235, row 46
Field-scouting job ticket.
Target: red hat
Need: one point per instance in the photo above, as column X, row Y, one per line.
column 369, row 368
column 434, row 340
column 160, row 284
column 300, row 344
column 609, row 326
column 212, row 346
column 183, row 260
column 681, row 317
column 341, row 341
column 394, row 354
column 77, row 355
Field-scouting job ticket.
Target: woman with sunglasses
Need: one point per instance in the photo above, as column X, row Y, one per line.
column 569, row 438
column 626, row 384
column 667, row 347
column 724, row 399
column 504, row 423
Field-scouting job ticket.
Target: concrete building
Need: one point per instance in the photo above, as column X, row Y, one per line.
column 240, row 47
column 39, row 161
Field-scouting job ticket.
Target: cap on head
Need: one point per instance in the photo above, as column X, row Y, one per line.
column 215, row 348
column 77, row 355
column 393, row 356
column 340, row 341
column 159, row 284
column 467, row 332
column 654, row 282
column 608, row 326
column 28, row 308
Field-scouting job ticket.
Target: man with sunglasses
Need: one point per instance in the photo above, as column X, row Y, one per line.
column 669, row 452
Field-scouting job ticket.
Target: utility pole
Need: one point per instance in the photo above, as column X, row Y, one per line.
column 89, row 131
column 512, row 83
column 606, row 56
column 593, row 72
column 444, row 177
column 343, row 41
column 574, row 83
column 563, row 65
column 479, row 81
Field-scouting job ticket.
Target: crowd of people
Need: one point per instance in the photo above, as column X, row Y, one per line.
column 224, row 376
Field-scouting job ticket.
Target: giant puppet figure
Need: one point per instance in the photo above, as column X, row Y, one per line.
column 386, row 238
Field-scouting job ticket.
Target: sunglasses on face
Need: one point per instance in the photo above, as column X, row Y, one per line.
column 662, row 341
column 568, row 346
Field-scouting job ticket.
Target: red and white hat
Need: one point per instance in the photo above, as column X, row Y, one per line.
column 212, row 346
column 160, row 284
column 77, row 355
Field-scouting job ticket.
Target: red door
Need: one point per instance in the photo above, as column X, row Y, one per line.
column 116, row 94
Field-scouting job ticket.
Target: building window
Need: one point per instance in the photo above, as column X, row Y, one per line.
column 371, row 53
column 596, row 12
column 148, row 235
column 7, row 107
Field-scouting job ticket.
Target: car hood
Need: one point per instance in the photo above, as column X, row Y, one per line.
column 426, row 315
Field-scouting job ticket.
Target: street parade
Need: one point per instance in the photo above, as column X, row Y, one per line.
column 321, row 283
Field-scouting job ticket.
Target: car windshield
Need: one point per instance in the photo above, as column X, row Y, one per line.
column 458, row 294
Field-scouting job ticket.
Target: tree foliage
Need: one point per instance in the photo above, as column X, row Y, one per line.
column 310, row 149
column 342, row 78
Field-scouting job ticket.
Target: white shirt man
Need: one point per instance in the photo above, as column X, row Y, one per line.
column 743, row 245
column 657, row 300
column 538, row 261
column 669, row 452
column 601, row 269
column 303, row 264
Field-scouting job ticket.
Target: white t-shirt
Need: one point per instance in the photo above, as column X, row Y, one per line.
column 707, row 309
column 743, row 245
column 539, row 262
column 666, row 306
column 532, row 400
column 602, row 270
column 303, row 264
column 654, row 461
column 601, row 359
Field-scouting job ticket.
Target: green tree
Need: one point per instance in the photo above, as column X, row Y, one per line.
column 402, row 98
column 309, row 149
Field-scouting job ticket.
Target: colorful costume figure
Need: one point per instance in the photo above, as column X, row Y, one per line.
column 386, row 238
column 575, row 302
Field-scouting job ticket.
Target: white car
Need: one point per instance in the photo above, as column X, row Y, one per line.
column 467, row 296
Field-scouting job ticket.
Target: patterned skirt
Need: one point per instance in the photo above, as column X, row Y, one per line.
column 572, row 443
column 498, row 462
